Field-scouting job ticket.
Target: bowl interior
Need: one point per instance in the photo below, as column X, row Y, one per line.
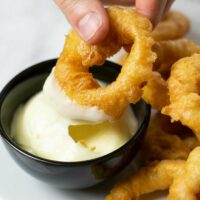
column 31, row 80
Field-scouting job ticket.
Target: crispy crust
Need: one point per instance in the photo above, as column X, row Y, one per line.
column 173, row 26
column 166, row 140
column 168, row 52
column 180, row 176
column 156, row 91
column 155, row 176
column 187, row 186
column 184, row 90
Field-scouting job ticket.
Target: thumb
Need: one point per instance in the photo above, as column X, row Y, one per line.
column 87, row 17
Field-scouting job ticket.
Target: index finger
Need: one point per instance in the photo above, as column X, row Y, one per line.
column 153, row 9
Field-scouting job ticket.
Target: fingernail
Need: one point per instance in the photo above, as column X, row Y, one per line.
column 89, row 25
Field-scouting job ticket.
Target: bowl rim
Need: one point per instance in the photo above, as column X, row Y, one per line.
column 32, row 71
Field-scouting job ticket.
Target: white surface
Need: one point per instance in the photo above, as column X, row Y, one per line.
column 30, row 32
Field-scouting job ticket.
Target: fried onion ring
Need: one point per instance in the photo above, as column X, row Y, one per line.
column 168, row 52
column 166, row 140
column 174, row 25
column 71, row 71
column 182, row 177
column 184, row 88
column 187, row 186
column 155, row 176
column 156, row 91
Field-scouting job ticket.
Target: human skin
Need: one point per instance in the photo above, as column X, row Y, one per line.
column 90, row 20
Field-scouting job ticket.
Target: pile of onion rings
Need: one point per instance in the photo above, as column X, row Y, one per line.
column 181, row 177
column 173, row 158
column 166, row 74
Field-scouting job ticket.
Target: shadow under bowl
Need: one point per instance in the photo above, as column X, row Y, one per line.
column 79, row 174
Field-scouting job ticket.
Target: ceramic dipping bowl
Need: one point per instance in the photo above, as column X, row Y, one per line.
column 79, row 174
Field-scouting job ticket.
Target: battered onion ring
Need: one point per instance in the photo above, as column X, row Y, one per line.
column 71, row 71
column 166, row 140
column 156, row 176
column 173, row 26
column 182, row 177
column 156, row 91
column 168, row 52
column 187, row 186
column 184, row 88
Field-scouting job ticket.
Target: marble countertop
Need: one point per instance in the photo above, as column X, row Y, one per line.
column 30, row 32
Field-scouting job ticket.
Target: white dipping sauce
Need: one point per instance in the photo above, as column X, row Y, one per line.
column 41, row 130
column 49, row 125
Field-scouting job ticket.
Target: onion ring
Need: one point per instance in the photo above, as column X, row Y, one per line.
column 174, row 25
column 182, row 177
column 155, row 176
column 155, row 92
column 184, row 90
column 166, row 140
column 71, row 71
column 168, row 52
column 187, row 186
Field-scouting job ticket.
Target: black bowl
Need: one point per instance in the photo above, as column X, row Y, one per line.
column 66, row 174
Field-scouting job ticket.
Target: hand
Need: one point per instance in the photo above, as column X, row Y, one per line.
column 89, row 18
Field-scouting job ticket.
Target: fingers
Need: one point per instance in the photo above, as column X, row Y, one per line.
column 169, row 4
column 88, row 18
column 153, row 9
